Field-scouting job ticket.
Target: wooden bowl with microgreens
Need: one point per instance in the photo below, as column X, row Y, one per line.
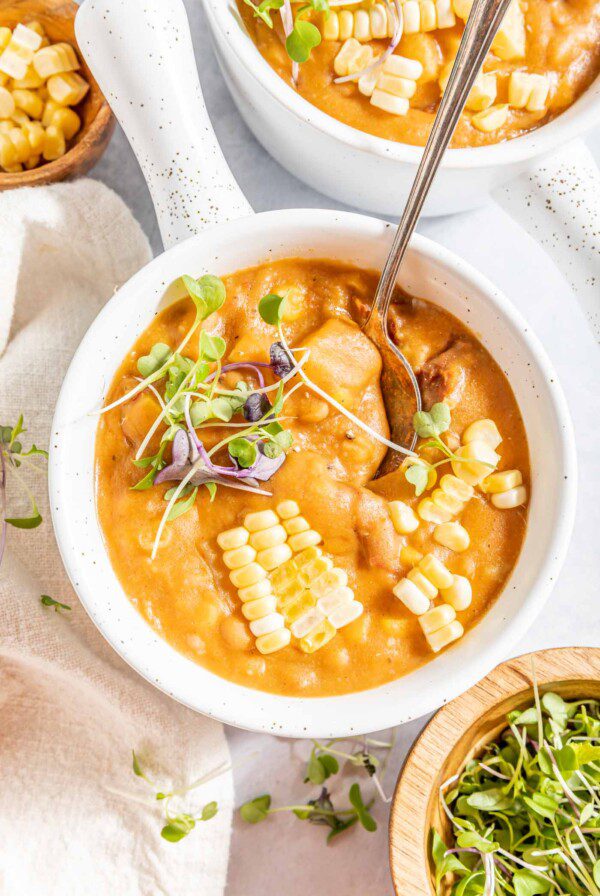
column 54, row 121
column 500, row 794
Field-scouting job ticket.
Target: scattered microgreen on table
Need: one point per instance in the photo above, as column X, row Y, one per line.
column 179, row 825
column 325, row 761
column 525, row 814
column 48, row 601
column 13, row 456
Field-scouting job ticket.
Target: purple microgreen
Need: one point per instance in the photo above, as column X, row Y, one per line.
column 48, row 601
column 281, row 362
column 256, row 406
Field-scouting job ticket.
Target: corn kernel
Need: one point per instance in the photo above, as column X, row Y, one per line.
column 5, row 36
column 68, row 89
column 335, row 599
column 445, row 14
column 478, row 460
column 445, row 636
column 397, row 86
column 352, row 58
column 318, row 638
column 307, row 556
column 428, row 15
column 412, row 597
column 21, row 144
column 233, row 538
column 54, row 144
column 395, row 105
column 274, row 641
column 8, row 153
column 304, row 540
column 528, row 91
column 50, row 109
column 68, row 121
column 285, row 575
column 490, row 119
column 256, row 609
column 462, row 8
column 31, row 81
column 446, row 502
column 287, row 509
column 5, row 126
column 19, row 117
column 273, row 557
column 29, row 102
column 18, row 53
column 437, row 618
column 239, row 557
column 37, row 27
column 346, row 24
column 437, row 573
column 32, row 162
column 412, row 17
column 510, row 40
column 267, row 624
column 459, row 595
column 432, row 513
column 256, row 591
column 295, row 525
column 500, row 482
column 403, row 517
column 418, row 579
column 55, row 60
column 456, row 488
column 262, row 519
column 345, row 614
column 297, row 608
column 312, row 569
column 247, row 575
column 362, row 25
column 305, row 624
column 482, row 431
column 331, row 27
column 410, row 556
column 329, row 580
column 452, row 536
column 7, row 103
column 514, row 497
column 14, row 169
column 268, row 538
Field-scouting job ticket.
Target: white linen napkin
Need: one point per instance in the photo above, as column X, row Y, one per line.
column 71, row 711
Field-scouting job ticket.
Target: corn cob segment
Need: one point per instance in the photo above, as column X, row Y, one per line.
column 286, row 586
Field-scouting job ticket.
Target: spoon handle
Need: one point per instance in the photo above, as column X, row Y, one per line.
column 479, row 33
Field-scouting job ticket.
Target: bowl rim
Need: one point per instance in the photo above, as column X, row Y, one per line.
column 487, row 693
column 573, row 122
column 331, row 715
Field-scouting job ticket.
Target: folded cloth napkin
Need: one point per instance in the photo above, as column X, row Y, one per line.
column 74, row 818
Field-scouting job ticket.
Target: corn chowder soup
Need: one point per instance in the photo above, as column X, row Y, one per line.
column 237, row 488
column 360, row 64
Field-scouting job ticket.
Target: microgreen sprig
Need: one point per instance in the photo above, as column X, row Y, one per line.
column 302, row 36
column 177, row 826
column 13, row 456
column 526, row 813
column 48, row 601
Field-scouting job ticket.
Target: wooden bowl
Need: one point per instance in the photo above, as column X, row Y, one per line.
column 458, row 732
column 58, row 19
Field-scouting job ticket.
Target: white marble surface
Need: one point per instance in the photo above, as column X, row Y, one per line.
column 284, row 856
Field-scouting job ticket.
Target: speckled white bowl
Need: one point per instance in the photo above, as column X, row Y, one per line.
column 360, row 169
column 429, row 271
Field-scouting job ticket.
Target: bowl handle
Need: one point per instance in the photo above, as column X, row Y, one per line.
column 141, row 54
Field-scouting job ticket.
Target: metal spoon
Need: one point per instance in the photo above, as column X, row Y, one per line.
column 401, row 393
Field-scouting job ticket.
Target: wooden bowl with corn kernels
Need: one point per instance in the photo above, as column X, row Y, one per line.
column 60, row 124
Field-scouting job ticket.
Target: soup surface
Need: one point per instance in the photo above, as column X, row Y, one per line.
column 555, row 41
column 186, row 592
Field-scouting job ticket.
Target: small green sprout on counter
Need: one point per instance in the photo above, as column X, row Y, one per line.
column 301, row 35
column 325, row 761
column 13, row 457
column 525, row 814
column 179, row 825
column 48, row 601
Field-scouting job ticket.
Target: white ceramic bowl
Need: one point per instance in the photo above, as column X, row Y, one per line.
column 430, row 271
column 360, row 169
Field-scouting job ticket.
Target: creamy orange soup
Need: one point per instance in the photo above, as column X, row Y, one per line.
column 556, row 39
column 186, row 594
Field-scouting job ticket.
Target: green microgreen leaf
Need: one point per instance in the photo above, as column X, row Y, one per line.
column 256, row 810
column 432, row 423
column 301, row 41
column 527, row 883
column 364, row 816
column 263, row 9
column 26, row 522
column 48, row 601
column 158, row 355
column 271, row 308
column 178, row 828
column 212, row 348
column 244, row 451
column 181, row 507
column 211, row 487
column 207, row 293
column 417, row 475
